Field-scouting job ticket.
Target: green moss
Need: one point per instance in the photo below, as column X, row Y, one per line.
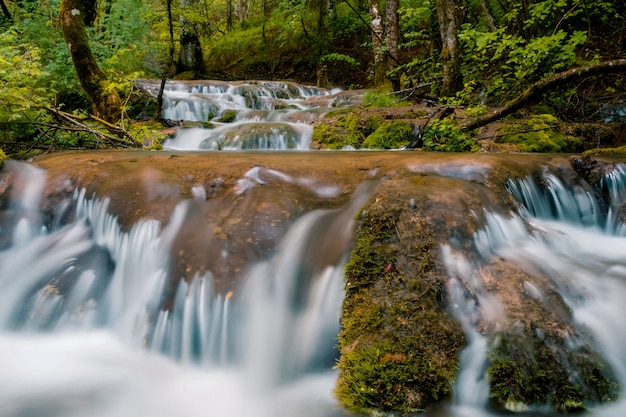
column 399, row 347
column 328, row 137
column 390, row 135
column 621, row 150
column 527, row 370
column 538, row 134
column 228, row 116
column 3, row 157
column 382, row 99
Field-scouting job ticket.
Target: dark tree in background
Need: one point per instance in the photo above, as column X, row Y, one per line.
column 74, row 15
column 449, row 15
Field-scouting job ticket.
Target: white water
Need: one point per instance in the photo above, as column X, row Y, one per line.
column 82, row 331
column 269, row 115
column 563, row 234
column 104, row 347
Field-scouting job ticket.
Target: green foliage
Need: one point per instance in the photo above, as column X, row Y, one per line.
column 538, row 134
column 148, row 134
column 3, row 158
column 390, row 135
column 445, row 136
column 380, row 99
column 336, row 58
column 508, row 63
column 22, row 78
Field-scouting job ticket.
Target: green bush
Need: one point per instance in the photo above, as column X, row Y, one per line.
column 390, row 135
column 445, row 136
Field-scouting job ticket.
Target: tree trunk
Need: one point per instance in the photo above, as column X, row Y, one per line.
column 190, row 56
column 488, row 16
column 449, row 16
column 104, row 99
column 5, row 12
column 380, row 66
column 540, row 87
column 391, row 41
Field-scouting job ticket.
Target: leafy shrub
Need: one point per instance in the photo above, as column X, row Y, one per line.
column 445, row 136
column 390, row 135
column 379, row 99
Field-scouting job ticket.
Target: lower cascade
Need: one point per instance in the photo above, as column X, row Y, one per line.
column 160, row 284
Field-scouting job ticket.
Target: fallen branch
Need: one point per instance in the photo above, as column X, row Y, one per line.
column 123, row 138
column 540, row 87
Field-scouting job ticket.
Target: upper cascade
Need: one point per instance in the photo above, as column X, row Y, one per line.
column 269, row 115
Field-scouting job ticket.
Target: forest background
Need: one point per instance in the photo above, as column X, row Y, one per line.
column 474, row 54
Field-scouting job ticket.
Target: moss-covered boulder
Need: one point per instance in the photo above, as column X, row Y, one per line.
column 390, row 135
column 537, row 133
column 537, row 354
column 399, row 345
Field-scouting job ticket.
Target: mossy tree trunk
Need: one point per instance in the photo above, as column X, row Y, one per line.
column 190, row 58
column 391, row 41
column 105, row 101
column 376, row 25
column 449, row 14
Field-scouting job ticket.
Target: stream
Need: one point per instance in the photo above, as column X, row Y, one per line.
column 194, row 282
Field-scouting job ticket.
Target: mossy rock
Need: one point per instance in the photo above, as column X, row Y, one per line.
column 528, row 370
column 538, row 133
column 328, row 136
column 532, row 359
column 142, row 106
column 228, row 116
column 399, row 345
column 620, row 150
column 390, row 135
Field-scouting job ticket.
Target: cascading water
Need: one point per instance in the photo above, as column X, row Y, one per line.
column 563, row 233
column 78, row 299
column 261, row 114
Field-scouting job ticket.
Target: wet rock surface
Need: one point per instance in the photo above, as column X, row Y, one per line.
column 400, row 342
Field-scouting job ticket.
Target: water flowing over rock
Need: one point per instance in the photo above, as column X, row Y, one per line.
column 169, row 283
column 264, row 115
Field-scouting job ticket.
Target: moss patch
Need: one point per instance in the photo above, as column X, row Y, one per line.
column 399, row 346
column 228, row 116
column 620, row 150
column 530, row 370
column 538, row 133
column 390, row 135
column 3, row 157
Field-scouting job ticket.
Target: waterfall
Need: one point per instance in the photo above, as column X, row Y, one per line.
column 86, row 327
column 562, row 233
column 243, row 116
